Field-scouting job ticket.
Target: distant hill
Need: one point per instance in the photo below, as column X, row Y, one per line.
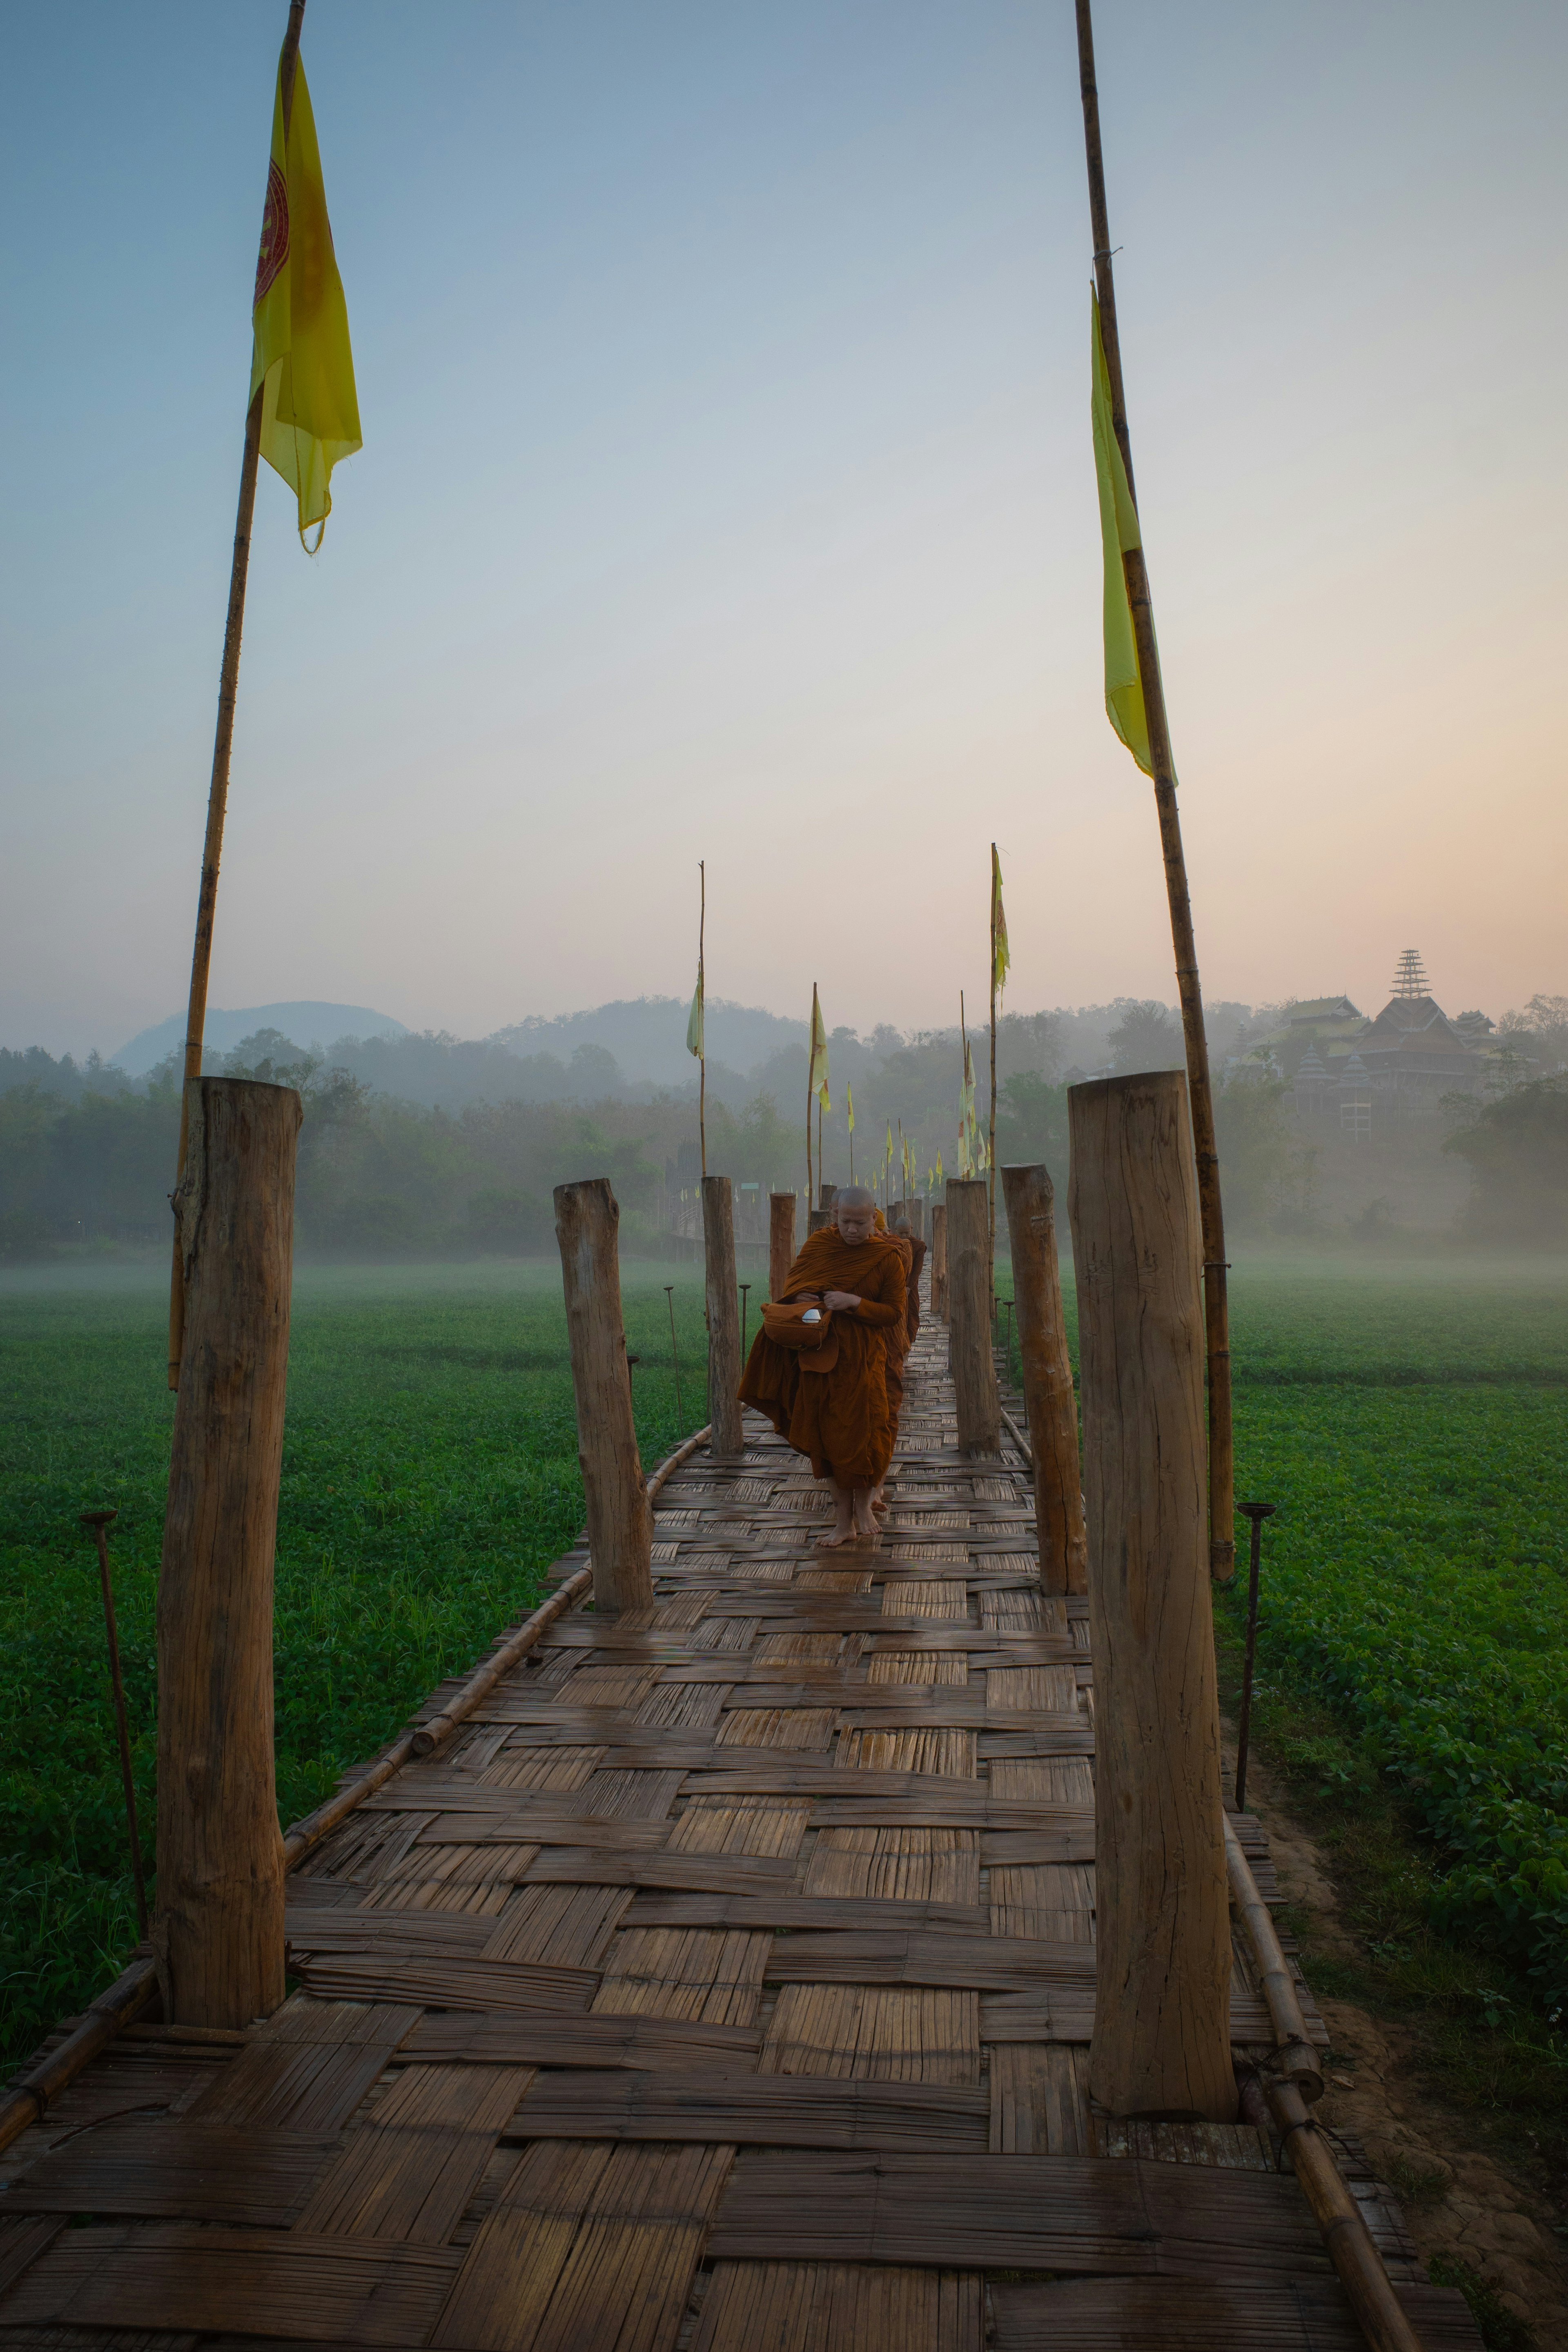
column 646, row 1035
column 305, row 1023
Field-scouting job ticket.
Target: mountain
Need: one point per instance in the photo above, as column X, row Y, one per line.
column 305, row 1023
column 646, row 1035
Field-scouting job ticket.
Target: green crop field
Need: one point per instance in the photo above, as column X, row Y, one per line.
column 1411, row 1423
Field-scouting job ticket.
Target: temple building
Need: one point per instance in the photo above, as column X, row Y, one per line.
column 1345, row 1068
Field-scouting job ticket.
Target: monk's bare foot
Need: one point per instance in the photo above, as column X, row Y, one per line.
column 881, row 1507
column 836, row 1538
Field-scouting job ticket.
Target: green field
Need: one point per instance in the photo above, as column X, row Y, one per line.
column 1410, row 1422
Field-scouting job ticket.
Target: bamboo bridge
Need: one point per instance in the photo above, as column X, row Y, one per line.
column 717, row 1974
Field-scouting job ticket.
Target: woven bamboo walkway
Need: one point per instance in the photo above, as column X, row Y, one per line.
column 727, row 1985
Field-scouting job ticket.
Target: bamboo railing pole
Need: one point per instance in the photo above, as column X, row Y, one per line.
column 218, row 1929
column 1297, row 2061
column 223, row 748
column 1217, row 1310
column 1363, row 2273
column 938, row 1258
column 723, row 1323
column 969, row 1330
column 1048, row 1397
column 781, row 1242
column 1162, row 1956
column 620, row 1524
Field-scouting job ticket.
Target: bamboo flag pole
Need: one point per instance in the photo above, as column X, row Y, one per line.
column 810, row 1091
column 223, row 746
column 702, row 1017
column 1000, row 959
column 1217, row 1312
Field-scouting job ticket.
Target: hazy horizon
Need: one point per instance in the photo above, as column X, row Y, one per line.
column 727, row 492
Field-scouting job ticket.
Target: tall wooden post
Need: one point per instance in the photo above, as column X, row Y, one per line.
column 1161, row 2023
column 939, row 1259
column 219, row 1932
column 915, row 1210
column 781, row 1242
column 1184, row 939
column 620, row 1524
column 1048, row 1397
column 724, row 1318
column 969, row 1315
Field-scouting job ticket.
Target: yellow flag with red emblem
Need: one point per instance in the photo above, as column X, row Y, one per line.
column 301, row 361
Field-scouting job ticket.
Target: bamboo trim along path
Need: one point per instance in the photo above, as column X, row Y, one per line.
column 725, row 1982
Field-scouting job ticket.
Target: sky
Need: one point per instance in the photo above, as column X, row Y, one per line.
column 727, row 493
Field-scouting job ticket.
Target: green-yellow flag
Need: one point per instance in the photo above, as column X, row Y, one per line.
column 309, row 411
column 849, row 1107
column 817, row 1078
column 1119, row 532
column 1001, row 954
column 694, row 1020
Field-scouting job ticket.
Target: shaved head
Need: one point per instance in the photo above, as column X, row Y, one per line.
column 855, row 1196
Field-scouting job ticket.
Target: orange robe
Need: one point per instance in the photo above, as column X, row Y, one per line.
column 843, row 1419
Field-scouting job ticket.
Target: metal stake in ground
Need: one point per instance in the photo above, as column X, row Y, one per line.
column 1256, row 1513
column 675, row 1352
column 100, row 1522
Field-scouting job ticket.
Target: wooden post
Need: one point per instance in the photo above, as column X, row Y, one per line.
column 1048, row 1397
column 219, row 1932
column 915, row 1210
column 969, row 1317
column 825, row 1196
column 620, row 1524
column 781, row 1242
column 1184, row 939
column 725, row 1440
column 939, row 1259
column 816, row 1218
column 1162, row 2023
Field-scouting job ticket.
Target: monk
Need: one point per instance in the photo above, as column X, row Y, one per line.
column 842, row 1418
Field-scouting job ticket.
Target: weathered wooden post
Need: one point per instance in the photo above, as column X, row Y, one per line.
column 723, row 1320
column 1162, row 2023
column 939, row 1259
column 969, row 1315
column 781, row 1241
column 218, row 1929
column 1048, row 1398
column 620, row 1524
column 915, row 1210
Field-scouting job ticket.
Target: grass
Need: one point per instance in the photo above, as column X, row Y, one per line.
column 429, row 1478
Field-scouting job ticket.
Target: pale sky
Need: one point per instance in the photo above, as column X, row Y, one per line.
column 728, row 492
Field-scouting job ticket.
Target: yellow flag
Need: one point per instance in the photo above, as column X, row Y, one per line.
column 694, row 1023
column 309, row 411
column 1001, row 955
column 849, row 1106
column 1119, row 533
column 816, row 1078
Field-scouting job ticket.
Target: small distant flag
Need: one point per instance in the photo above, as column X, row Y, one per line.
column 849, row 1106
column 1001, row 956
column 694, row 1022
column 302, row 360
column 1119, row 534
column 817, row 1081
